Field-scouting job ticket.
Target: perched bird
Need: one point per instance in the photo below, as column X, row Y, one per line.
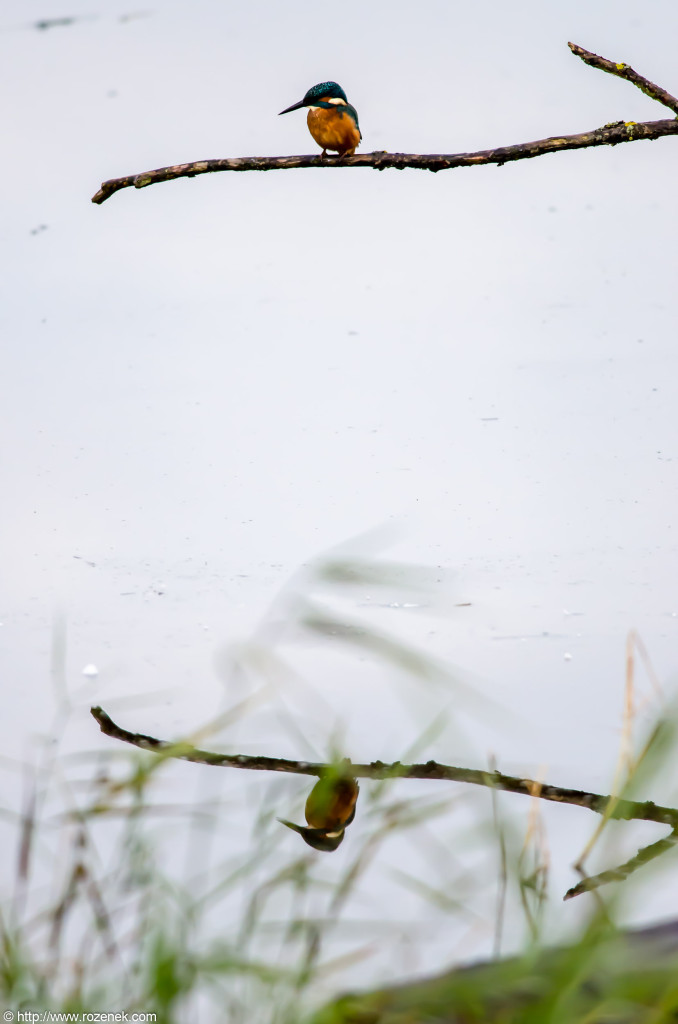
column 330, row 809
column 332, row 121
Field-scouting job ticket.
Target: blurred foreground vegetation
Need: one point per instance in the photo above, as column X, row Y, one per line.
column 129, row 894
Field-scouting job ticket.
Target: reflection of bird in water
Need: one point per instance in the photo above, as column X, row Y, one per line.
column 332, row 121
column 330, row 809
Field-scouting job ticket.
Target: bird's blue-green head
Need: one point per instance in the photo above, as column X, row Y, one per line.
column 324, row 94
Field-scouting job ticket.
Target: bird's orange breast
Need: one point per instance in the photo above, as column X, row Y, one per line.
column 331, row 805
column 334, row 129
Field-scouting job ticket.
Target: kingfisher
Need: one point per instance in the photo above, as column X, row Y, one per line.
column 329, row 810
column 332, row 121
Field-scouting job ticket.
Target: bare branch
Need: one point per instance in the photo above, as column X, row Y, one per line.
column 608, row 135
column 621, row 809
column 655, row 92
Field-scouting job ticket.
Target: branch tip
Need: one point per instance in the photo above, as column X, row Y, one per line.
column 622, row 70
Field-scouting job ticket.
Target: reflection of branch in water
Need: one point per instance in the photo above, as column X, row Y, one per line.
column 610, row 807
column 626, row 810
column 620, row 874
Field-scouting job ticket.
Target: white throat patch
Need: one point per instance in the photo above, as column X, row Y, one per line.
column 336, row 101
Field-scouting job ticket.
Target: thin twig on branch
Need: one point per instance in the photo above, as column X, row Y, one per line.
column 621, row 873
column 608, row 135
column 619, row 809
column 655, row 92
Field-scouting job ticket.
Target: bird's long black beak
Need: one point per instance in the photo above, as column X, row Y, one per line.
column 290, row 824
column 295, row 106
column 318, row 838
